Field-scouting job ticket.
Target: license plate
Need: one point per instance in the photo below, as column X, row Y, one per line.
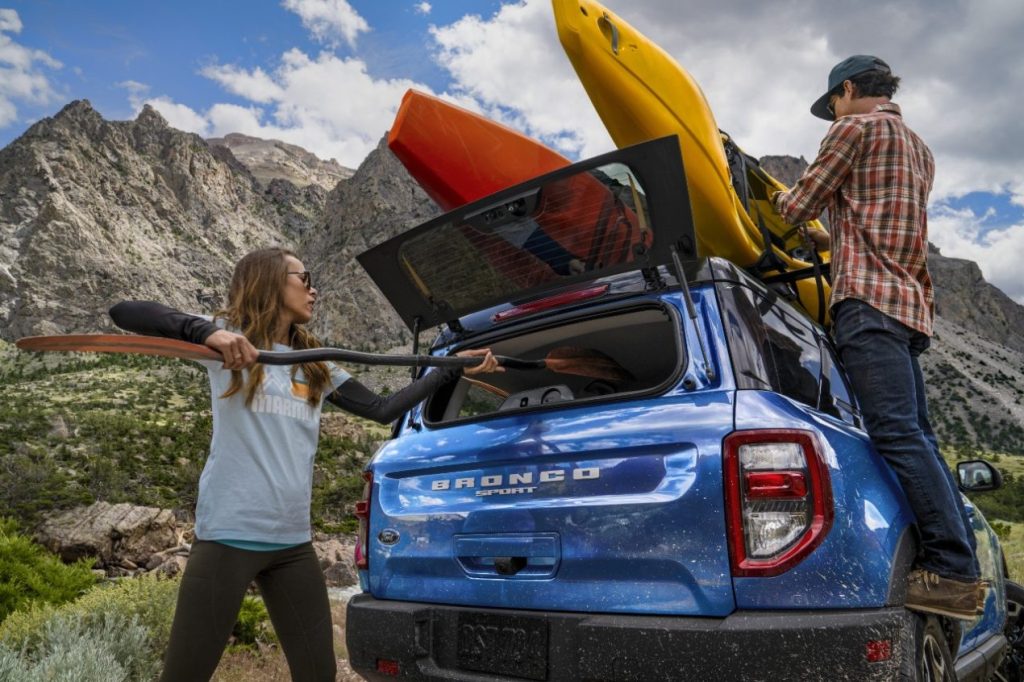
column 504, row 645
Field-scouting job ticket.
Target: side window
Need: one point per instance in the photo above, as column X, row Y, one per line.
column 745, row 332
column 796, row 354
column 771, row 348
column 836, row 396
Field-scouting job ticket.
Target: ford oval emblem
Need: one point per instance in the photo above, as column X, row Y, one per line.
column 388, row 536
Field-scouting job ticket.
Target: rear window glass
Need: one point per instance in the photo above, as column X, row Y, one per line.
column 565, row 228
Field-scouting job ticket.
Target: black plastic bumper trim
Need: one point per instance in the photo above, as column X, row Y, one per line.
column 771, row 646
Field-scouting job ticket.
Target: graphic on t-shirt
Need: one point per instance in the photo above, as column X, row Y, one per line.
column 284, row 396
column 300, row 389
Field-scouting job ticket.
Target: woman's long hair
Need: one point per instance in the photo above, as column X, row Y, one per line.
column 254, row 303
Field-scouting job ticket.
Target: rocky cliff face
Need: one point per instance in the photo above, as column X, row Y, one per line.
column 380, row 201
column 95, row 211
column 270, row 160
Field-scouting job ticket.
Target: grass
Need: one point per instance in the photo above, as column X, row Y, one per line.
column 1013, row 550
column 1004, row 508
column 77, row 428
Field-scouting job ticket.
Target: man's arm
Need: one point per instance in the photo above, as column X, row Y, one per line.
column 823, row 178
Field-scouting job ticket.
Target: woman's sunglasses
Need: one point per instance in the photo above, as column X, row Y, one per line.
column 306, row 277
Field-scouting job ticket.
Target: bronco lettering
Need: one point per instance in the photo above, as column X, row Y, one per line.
column 525, row 478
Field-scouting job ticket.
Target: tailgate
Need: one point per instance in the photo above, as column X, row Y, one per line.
column 602, row 509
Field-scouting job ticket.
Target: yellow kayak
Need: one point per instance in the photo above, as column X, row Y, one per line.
column 642, row 93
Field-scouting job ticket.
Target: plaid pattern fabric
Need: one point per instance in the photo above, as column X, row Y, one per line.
column 874, row 174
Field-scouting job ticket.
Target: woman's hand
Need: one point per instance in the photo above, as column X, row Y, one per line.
column 237, row 351
column 490, row 363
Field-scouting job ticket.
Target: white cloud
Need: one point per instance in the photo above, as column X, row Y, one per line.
column 961, row 234
column 21, row 77
column 423, row 8
column 328, row 105
column 959, row 61
column 329, row 20
column 256, row 85
column 514, row 67
column 10, row 22
column 179, row 116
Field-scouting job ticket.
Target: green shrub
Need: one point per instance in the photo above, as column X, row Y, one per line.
column 78, row 648
column 148, row 600
column 31, row 575
column 253, row 624
column 1002, row 530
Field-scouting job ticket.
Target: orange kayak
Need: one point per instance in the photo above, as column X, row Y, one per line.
column 458, row 156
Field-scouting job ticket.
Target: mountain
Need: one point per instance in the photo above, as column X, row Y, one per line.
column 379, row 202
column 95, row 211
column 270, row 160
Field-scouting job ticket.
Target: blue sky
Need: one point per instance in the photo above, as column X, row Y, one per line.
column 166, row 45
column 328, row 75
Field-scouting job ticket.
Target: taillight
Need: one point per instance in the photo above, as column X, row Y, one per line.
column 778, row 497
column 363, row 514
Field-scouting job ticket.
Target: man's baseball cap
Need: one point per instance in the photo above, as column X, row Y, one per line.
column 843, row 71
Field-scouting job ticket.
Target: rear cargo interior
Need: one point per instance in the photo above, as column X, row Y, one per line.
column 642, row 344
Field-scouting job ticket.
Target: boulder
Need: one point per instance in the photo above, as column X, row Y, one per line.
column 337, row 560
column 113, row 533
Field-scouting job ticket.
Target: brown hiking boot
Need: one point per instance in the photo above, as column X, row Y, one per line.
column 932, row 593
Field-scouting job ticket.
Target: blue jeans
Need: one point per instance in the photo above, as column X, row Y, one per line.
column 880, row 355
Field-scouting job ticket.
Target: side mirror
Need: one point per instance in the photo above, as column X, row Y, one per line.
column 977, row 476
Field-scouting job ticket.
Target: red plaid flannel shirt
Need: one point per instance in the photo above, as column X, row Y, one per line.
column 874, row 174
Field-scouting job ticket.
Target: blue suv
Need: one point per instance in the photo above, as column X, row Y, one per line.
column 680, row 486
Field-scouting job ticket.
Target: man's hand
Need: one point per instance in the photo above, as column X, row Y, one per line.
column 490, row 363
column 819, row 238
column 237, row 351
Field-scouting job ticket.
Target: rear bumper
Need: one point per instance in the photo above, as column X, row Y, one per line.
column 424, row 641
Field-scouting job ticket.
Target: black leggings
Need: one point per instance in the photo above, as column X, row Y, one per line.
column 211, row 594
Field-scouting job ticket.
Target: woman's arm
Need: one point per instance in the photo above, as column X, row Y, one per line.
column 356, row 398
column 353, row 397
column 154, row 319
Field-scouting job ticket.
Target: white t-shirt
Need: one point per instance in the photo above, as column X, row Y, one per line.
column 258, row 479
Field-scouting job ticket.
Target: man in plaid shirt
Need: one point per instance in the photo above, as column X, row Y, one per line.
column 874, row 174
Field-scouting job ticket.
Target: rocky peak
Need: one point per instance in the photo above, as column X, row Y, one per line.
column 151, row 118
column 75, row 116
column 270, row 160
column 785, row 169
column 95, row 211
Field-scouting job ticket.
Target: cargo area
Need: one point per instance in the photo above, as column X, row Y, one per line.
column 606, row 356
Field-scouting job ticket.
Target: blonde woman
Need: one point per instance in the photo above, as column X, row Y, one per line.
column 253, row 509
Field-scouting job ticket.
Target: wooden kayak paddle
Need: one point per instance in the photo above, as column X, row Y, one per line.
column 563, row 360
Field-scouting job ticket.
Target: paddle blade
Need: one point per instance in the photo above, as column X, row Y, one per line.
column 119, row 343
column 586, row 362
